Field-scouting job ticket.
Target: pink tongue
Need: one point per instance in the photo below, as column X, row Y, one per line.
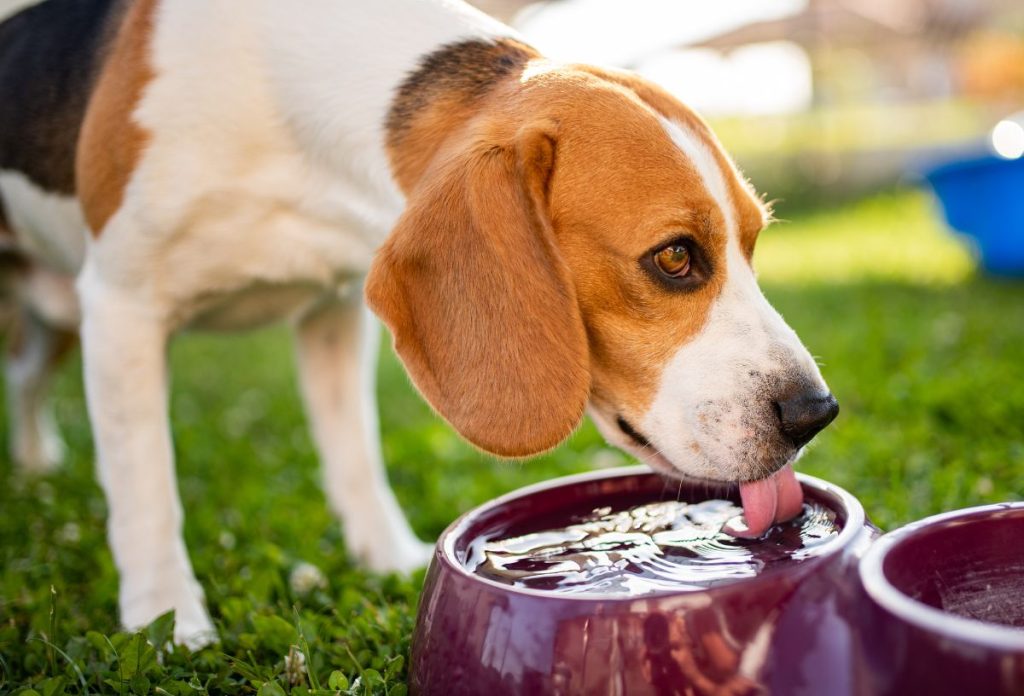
column 791, row 496
column 775, row 499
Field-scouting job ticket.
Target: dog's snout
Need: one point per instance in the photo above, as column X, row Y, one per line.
column 803, row 416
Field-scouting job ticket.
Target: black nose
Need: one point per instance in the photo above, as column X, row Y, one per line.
column 803, row 416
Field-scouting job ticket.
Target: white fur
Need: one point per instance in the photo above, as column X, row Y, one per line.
column 337, row 352
column 49, row 226
column 124, row 344
column 712, row 408
column 298, row 192
column 699, row 153
column 262, row 193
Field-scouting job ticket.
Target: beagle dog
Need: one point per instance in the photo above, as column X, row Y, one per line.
column 541, row 239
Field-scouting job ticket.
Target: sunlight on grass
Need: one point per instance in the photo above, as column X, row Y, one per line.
column 897, row 237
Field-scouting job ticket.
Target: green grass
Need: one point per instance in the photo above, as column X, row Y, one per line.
column 924, row 357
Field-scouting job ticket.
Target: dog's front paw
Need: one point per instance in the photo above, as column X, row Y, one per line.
column 195, row 632
column 414, row 555
column 192, row 625
column 397, row 556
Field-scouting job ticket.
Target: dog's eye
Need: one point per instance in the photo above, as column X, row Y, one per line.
column 673, row 260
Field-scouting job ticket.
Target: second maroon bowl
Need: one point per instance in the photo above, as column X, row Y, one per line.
column 944, row 606
column 789, row 630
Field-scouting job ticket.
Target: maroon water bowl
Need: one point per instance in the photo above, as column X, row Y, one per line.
column 945, row 609
column 788, row 630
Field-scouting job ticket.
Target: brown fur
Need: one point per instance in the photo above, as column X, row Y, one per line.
column 752, row 215
column 621, row 188
column 507, row 363
column 111, row 140
column 488, row 290
column 442, row 94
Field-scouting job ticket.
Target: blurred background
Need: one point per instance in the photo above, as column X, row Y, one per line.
column 818, row 100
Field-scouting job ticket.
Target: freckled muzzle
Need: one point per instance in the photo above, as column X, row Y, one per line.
column 771, row 433
column 761, row 426
column 739, row 401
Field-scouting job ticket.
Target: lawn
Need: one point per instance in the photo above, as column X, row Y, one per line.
column 924, row 356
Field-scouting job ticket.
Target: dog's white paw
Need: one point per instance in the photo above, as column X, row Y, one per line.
column 403, row 555
column 195, row 632
column 414, row 555
column 192, row 625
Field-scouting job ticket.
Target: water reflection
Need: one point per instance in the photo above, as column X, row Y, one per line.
column 648, row 548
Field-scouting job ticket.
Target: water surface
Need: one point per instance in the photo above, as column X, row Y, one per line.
column 648, row 548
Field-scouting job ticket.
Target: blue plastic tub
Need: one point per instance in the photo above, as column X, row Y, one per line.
column 984, row 199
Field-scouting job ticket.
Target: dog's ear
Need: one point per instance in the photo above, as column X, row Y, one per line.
column 480, row 303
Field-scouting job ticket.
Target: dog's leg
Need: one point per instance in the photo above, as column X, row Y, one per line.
column 34, row 350
column 124, row 342
column 337, row 353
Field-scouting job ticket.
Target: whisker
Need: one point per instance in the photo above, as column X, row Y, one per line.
column 664, row 488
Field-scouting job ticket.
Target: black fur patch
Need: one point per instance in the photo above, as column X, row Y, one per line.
column 50, row 55
column 468, row 69
column 632, row 432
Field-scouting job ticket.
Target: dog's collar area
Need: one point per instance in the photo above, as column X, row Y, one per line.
column 631, row 432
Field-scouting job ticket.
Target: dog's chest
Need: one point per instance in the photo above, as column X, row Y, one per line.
column 250, row 258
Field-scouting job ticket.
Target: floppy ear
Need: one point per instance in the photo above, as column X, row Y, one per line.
column 481, row 305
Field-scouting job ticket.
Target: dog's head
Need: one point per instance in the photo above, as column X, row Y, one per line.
column 584, row 240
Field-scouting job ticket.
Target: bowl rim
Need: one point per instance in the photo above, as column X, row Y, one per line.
column 919, row 614
column 854, row 526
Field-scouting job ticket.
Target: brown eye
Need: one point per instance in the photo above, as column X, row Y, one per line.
column 673, row 260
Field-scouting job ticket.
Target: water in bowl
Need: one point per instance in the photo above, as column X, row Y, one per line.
column 648, row 548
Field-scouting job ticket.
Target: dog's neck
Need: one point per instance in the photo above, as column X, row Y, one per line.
column 437, row 101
